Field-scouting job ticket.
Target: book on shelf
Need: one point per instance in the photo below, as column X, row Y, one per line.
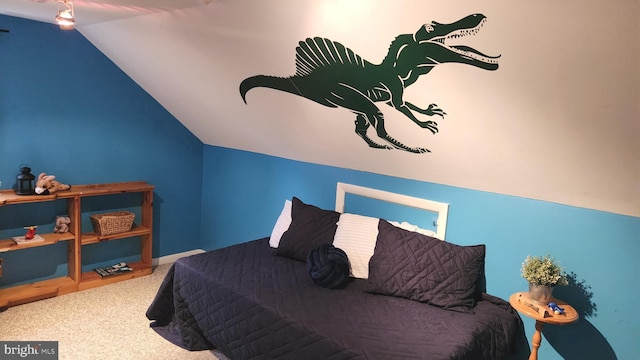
column 116, row 269
column 21, row 239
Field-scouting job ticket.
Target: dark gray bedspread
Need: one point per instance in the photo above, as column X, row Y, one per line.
column 251, row 304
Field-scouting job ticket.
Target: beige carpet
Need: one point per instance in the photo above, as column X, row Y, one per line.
column 108, row 322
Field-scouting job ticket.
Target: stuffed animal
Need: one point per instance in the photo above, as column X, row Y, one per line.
column 47, row 184
column 62, row 224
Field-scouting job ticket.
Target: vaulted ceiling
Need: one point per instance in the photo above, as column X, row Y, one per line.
column 93, row 12
column 563, row 103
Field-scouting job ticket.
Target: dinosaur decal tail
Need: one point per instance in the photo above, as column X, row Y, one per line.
column 273, row 82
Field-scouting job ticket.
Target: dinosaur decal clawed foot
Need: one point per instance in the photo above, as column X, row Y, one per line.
column 362, row 125
column 333, row 75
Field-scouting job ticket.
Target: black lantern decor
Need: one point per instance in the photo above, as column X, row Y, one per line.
column 25, row 182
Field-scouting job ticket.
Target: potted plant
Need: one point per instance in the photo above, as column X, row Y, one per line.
column 543, row 273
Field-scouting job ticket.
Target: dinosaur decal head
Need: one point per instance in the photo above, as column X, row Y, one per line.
column 433, row 39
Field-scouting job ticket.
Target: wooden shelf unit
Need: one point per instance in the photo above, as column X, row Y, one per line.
column 76, row 239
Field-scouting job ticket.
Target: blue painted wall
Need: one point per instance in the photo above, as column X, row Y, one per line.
column 67, row 110
column 244, row 192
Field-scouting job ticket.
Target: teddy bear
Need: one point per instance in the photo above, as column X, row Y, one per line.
column 62, row 224
column 47, row 185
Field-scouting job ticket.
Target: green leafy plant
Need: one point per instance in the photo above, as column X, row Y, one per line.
column 543, row 270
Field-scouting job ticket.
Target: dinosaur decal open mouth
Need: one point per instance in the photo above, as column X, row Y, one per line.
column 333, row 75
column 442, row 34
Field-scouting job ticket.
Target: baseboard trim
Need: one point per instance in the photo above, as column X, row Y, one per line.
column 168, row 259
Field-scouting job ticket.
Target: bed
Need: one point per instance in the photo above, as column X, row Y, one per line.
column 407, row 293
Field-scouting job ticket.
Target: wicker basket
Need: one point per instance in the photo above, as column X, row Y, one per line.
column 112, row 223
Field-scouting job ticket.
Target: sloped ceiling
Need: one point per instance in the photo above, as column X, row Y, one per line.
column 93, row 12
column 558, row 121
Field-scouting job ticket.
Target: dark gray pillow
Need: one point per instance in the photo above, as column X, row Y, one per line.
column 310, row 227
column 418, row 267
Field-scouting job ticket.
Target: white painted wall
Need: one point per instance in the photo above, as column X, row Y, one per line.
column 558, row 121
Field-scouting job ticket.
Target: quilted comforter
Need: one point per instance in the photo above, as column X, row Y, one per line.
column 251, row 304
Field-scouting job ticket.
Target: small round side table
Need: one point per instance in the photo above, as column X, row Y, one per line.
column 542, row 315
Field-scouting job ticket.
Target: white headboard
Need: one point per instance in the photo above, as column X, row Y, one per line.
column 441, row 209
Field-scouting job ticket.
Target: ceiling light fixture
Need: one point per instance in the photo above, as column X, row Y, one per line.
column 65, row 18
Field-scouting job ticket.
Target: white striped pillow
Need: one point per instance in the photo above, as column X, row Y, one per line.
column 281, row 225
column 356, row 235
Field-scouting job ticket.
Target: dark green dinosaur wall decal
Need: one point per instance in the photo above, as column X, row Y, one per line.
column 332, row 75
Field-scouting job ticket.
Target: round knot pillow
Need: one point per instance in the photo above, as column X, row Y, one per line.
column 328, row 266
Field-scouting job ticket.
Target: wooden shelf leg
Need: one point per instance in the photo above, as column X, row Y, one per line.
column 536, row 340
